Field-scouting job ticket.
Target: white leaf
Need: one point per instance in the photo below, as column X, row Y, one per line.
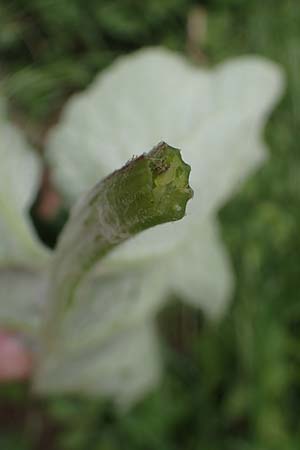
column 108, row 302
column 123, row 367
column 200, row 270
column 19, row 178
column 105, row 344
column 22, row 297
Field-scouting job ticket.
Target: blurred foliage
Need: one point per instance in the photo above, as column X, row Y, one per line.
column 235, row 386
column 49, row 48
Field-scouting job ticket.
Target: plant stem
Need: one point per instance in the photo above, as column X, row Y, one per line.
column 149, row 190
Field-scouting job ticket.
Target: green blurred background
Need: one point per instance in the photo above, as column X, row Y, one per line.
column 231, row 386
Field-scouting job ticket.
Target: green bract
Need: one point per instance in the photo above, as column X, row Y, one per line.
column 22, row 257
